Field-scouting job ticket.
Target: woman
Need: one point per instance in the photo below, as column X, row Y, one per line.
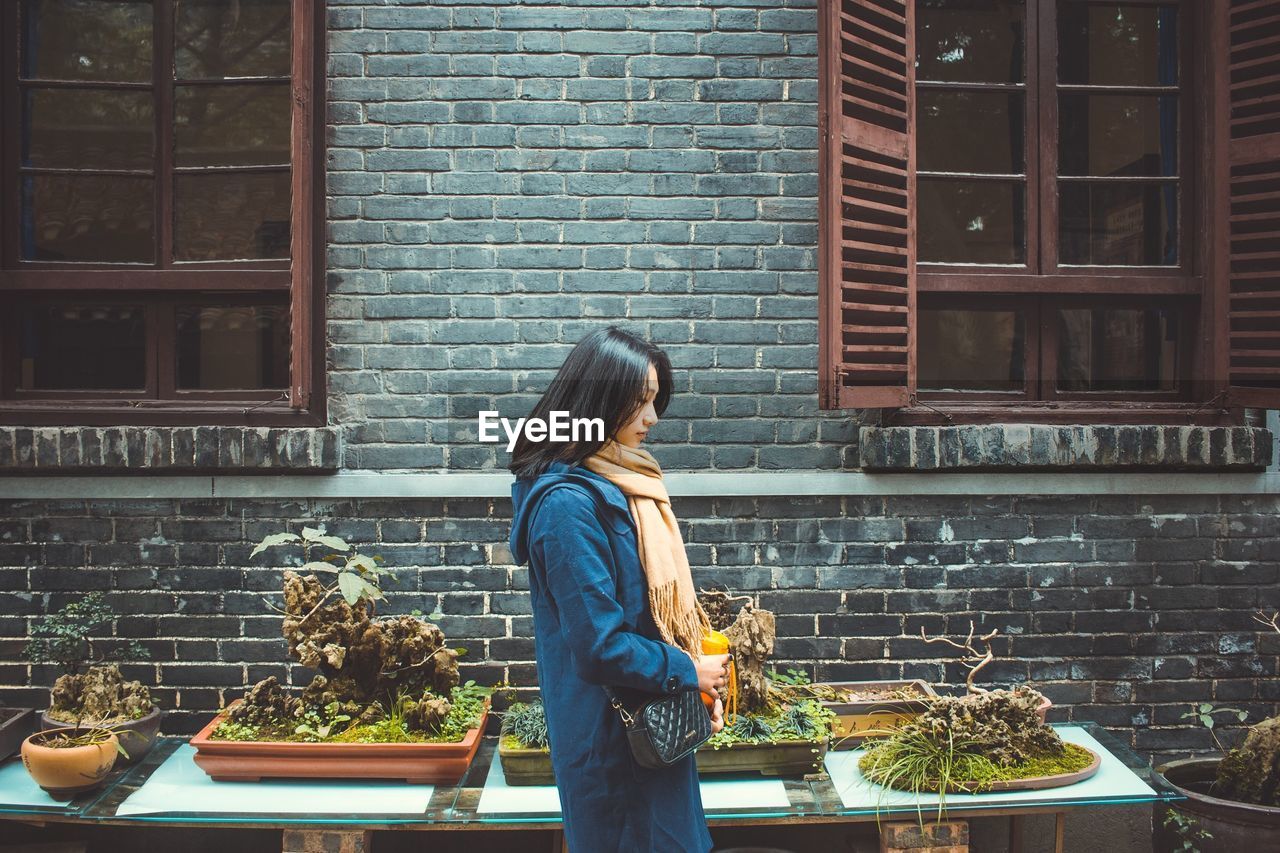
column 613, row 599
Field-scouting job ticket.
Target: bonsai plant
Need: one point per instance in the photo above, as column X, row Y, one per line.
column 91, row 692
column 68, row 761
column 779, row 730
column 386, row 703
column 1233, row 802
column 523, row 746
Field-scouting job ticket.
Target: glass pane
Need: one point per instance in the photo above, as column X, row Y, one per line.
column 226, row 125
column 86, row 40
column 88, row 218
column 1117, row 349
column 213, row 41
column 82, row 347
column 972, row 222
column 964, row 350
column 1106, row 135
column 969, row 132
column 1117, row 45
column 1118, row 223
column 234, row 216
column 88, row 129
column 971, row 41
column 233, row 347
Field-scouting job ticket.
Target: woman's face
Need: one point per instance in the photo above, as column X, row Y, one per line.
column 633, row 432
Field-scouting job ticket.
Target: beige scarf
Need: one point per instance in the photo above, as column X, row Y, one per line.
column 680, row 618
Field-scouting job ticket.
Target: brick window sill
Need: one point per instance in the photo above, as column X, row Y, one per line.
column 1074, row 447
column 167, row 450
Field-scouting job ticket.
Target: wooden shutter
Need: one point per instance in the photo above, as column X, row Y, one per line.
column 1249, row 48
column 866, row 209
column 305, row 177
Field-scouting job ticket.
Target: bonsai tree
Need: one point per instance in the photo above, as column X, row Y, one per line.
column 770, row 709
column 91, row 690
column 381, row 679
column 967, row 743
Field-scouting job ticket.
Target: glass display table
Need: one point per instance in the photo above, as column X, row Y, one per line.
column 168, row 789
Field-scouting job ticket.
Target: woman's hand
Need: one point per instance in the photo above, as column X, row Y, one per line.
column 713, row 670
column 717, row 716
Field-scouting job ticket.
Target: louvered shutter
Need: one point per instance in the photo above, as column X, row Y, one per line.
column 1252, row 257
column 303, row 180
column 867, row 216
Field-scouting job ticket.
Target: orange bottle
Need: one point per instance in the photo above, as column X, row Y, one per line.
column 716, row 643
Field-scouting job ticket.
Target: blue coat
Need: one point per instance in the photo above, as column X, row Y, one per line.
column 592, row 626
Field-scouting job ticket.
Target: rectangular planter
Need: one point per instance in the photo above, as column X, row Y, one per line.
column 785, row 758
column 251, row 761
column 523, row 766
column 16, row 724
column 788, row 758
column 857, row 721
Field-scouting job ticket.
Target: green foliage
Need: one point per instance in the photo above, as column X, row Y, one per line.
column 794, row 677
column 799, row 721
column 65, row 637
column 527, row 723
column 358, row 576
column 1187, row 829
column 317, row 725
column 1204, row 713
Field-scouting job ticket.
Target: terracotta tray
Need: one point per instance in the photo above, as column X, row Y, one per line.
column 251, row 761
column 857, row 721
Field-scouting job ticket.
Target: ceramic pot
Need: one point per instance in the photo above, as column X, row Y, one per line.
column 1232, row 826
column 136, row 736
column 66, row 771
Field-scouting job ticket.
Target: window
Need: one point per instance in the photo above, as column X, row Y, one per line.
column 160, row 242
column 1041, row 207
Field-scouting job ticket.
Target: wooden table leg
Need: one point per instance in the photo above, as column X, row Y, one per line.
column 1059, row 831
column 1015, row 833
column 327, row 841
column 558, row 843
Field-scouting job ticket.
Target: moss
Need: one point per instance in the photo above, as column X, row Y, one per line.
column 978, row 773
column 780, row 724
column 1251, row 772
column 513, row 742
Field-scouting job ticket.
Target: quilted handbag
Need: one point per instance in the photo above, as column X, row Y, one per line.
column 664, row 730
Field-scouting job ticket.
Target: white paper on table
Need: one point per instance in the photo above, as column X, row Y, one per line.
column 18, row 789
column 1113, row 782
column 179, row 785
column 719, row 794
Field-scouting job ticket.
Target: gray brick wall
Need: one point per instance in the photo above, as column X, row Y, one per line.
column 1123, row 609
column 504, row 178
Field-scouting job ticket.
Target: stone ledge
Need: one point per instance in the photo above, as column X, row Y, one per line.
column 1072, row 447
column 165, row 449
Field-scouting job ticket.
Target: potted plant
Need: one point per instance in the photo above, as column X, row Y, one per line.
column 91, row 692
column 1233, row 801
column 386, row 704
column 772, row 726
column 15, row 725
column 985, row 741
column 68, row 761
column 523, row 745
column 864, row 709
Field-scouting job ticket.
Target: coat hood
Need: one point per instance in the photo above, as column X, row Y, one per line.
column 527, row 494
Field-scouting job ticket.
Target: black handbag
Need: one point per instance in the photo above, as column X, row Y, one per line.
column 664, row 730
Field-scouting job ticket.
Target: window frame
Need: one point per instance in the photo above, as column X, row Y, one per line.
column 1052, row 284
column 854, row 62
column 300, row 275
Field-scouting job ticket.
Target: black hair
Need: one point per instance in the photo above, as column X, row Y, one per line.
column 604, row 376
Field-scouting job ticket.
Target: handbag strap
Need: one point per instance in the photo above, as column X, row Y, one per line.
column 627, row 719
